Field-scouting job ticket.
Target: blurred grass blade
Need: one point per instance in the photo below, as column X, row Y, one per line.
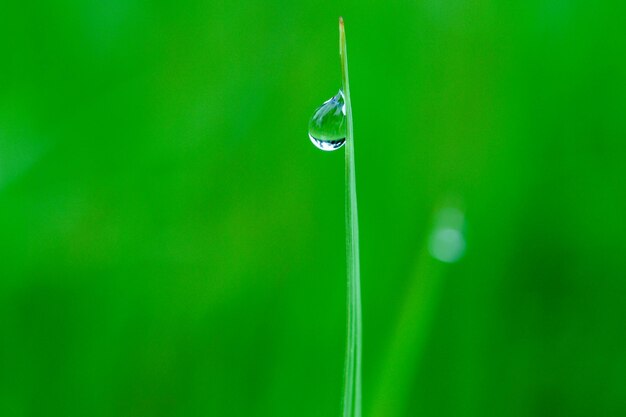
column 409, row 338
column 352, row 388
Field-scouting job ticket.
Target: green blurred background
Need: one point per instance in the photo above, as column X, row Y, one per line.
column 173, row 245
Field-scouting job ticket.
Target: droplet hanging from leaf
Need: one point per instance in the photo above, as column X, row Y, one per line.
column 327, row 127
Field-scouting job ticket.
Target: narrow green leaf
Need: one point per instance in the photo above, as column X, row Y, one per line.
column 352, row 388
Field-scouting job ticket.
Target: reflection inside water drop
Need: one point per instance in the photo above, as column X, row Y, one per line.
column 327, row 127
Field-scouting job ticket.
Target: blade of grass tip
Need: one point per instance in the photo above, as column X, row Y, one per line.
column 352, row 388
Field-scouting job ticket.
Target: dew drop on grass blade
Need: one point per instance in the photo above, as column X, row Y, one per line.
column 330, row 128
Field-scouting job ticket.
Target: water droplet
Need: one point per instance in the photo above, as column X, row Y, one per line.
column 447, row 240
column 327, row 127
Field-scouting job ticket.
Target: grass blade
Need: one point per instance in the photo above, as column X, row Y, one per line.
column 352, row 388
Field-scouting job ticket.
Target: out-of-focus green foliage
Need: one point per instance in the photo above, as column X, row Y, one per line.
column 173, row 245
